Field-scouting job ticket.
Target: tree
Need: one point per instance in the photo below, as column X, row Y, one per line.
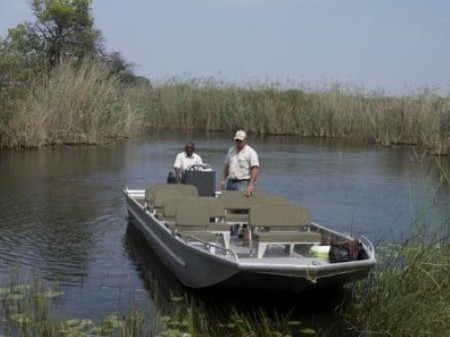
column 65, row 29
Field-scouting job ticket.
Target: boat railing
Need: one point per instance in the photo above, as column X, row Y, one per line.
column 366, row 242
column 210, row 245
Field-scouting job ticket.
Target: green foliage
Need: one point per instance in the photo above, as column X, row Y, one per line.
column 64, row 29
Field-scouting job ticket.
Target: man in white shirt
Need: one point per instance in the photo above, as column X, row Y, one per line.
column 241, row 166
column 186, row 159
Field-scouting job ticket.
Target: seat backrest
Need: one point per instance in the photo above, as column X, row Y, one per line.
column 187, row 190
column 151, row 191
column 279, row 216
column 192, row 214
column 171, row 205
column 214, row 206
column 237, row 200
column 162, row 195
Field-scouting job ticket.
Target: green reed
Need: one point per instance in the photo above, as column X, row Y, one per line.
column 88, row 105
column 336, row 111
column 409, row 294
column 26, row 311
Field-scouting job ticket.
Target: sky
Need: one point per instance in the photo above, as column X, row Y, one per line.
column 394, row 46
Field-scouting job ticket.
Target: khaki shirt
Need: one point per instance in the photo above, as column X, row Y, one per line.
column 240, row 164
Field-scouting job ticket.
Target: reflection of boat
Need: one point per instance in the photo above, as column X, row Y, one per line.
column 161, row 283
column 198, row 242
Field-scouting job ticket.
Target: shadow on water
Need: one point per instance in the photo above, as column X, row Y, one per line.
column 316, row 308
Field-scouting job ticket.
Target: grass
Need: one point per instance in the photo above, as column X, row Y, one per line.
column 410, row 293
column 87, row 105
column 26, row 310
column 409, row 296
column 69, row 106
column 335, row 111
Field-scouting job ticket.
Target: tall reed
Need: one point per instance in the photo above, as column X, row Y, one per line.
column 335, row 110
column 71, row 106
column 86, row 105
column 409, row 295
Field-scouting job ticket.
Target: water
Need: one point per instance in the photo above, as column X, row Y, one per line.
column 63, row 215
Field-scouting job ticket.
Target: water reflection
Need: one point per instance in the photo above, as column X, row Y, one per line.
column 63, row 216
column 312, row 308
column 160, row 283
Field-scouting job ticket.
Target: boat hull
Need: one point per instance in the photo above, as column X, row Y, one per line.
column 199, row 268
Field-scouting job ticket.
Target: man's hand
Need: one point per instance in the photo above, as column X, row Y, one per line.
column 249, row 190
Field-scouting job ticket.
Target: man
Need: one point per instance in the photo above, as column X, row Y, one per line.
column 241, row 166
column 186, row 159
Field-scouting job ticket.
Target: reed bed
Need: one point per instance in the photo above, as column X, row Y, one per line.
column 84, row 105
column 87, row 105
column 334, row 111
column 410, row 296
column 410, row 293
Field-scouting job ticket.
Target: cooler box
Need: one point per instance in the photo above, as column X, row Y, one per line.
column 204, row 180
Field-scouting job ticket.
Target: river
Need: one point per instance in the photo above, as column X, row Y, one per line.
column 63, row 217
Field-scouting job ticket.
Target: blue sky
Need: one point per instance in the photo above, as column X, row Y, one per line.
column 390, row 45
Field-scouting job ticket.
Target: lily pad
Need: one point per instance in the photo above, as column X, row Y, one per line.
column 294, row 323
column 308, row 331
column 52, row 294
column 19, row 318
column 177, row 299
column 5, row 291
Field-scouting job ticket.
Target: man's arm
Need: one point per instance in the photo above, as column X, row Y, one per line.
column 225, row 175
column 177, row 166
column 253, row 175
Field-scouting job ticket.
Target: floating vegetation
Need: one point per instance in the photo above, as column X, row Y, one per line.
column 26, row 311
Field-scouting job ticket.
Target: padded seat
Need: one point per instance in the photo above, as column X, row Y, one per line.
column 151, row 191
column 237, row 205
column 193, row 217
column 214, row 206
column 281, row 224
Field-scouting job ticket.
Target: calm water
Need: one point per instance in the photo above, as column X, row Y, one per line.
column 63, row 216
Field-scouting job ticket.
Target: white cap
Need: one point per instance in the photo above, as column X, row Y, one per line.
column 240, row 135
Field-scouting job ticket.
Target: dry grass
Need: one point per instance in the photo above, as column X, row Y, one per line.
column 71, row 106
column 334, row 111
column 88, row 106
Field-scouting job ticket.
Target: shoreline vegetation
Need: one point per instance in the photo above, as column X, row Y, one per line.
column 58, row 85
column 89, row 105
column 407, row 296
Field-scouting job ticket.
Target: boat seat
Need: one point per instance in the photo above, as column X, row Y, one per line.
column 237, row 205
column 171, row 204
column 193, row 217
column 151, row 191
column 162, row 196
column 283, row 224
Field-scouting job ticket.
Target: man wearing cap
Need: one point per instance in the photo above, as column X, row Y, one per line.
column 241, row 166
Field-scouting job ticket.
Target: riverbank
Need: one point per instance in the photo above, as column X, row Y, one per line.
column 89, row 106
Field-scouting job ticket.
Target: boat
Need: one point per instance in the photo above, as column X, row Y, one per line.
column 211, row 239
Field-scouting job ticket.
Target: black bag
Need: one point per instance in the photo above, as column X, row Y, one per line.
column 346, row 251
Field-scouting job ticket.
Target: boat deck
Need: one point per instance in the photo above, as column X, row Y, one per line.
column 275, row 254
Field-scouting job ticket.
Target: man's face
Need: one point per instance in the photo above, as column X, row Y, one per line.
column 239, row 144
column 189, row 150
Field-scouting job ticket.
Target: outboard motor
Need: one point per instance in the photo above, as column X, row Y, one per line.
column 203, row 177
